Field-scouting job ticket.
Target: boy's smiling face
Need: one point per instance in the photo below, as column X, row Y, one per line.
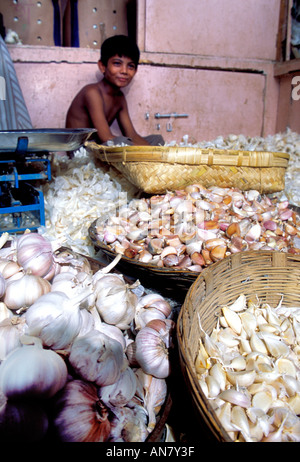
column 119, row 70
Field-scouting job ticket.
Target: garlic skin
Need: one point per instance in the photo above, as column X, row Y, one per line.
column 2, row 285
column 152, row 391
column 113, row 332
column 24, row 291
column 97, row 358
column 48, row 373
column 79, row 398
column 120, row 392
column 115, row 301
column 10, row 331
column 4, row 312
column 55, row 319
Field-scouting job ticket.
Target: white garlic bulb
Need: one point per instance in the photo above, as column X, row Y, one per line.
column 152, row 349
column 24, row 291
column 34, row 253
column 30, row 371
column 115, row 301
column 97, row 358
column 55, row 318
column 151, row 306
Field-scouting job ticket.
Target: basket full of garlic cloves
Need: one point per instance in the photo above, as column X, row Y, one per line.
column 84, row 351
column 239, row 341
column 172, row 237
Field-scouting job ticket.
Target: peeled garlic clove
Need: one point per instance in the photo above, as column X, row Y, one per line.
column 239, row 304
column 294, row 403
column 212, row 386
column 235, row 397
column 262, row 400
column 228, row 337
column 291, row 384
column 241, row 378
column 219, row 375
column 202, row 362
column 240, row 419
column 238, row 363
column 249, row 322
column 224, row 415
column 286, row 366
column 233, row 319
column 275, row 346
column 257, row 344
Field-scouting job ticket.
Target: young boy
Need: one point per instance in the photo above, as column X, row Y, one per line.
column 97, row 105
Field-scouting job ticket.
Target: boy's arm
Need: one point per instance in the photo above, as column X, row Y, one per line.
column 127, row 128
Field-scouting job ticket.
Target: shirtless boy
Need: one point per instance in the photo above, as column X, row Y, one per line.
column 97, row 105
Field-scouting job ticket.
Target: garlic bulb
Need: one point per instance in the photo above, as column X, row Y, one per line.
column 10, row 331
column 22, row 421
column 120, row 392
column 114, row 300
column 55, row 318
column 30, row 371
column 151, row 306
column 80, row 398
column 34, row 253
column 97, row 358
column 9, row 268
column 129, row 424
column 152, row 351
column 70, row 261
column 113, row 332
column 72, row 284
column 25, row 291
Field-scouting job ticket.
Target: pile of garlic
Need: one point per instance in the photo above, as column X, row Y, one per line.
column 84, row 355
column 248, row 368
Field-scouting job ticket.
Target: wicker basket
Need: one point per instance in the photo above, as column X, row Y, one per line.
column 269, row 275
column 157, row 169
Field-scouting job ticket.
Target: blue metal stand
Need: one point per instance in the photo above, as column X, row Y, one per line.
column 21, row 205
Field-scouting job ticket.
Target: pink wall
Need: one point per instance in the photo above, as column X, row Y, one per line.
column 212, row 60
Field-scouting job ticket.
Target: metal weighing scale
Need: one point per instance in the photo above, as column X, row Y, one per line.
column 24, row 159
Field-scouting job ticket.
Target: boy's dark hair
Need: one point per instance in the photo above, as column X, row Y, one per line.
column 119, row 45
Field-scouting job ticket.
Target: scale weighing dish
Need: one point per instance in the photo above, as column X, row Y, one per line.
column 45, row 139
column 24, row 159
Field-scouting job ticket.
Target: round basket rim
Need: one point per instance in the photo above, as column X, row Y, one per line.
column 187, row 155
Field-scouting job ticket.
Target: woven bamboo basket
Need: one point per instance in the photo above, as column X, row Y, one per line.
column 157, row 169
column 267, row 275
